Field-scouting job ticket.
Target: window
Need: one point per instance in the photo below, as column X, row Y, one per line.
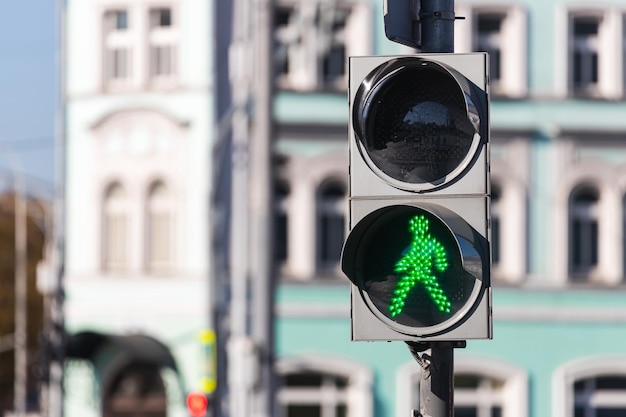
column 323, row 387
column 331, row 208
column 281, row 222
column 595, row 58
column 477, row 395
column 115, row 229
column 600, row 396
column 489, row 29
column 584, row 207
column 584, row 54
column 139, row 48
column 590, row 387
column 117, row 48
column 162, row 46
column 489, row 39
column 159, row 236
column 313, row 40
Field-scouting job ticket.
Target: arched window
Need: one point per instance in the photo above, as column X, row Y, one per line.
column 159, row 233
column 115, row 229
column 331, row 208
column 482, row 388
column 324, row 387
column 281, row 193
column 583, row 232
column 591, row 387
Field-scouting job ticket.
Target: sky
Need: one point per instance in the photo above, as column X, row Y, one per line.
column 28, row 94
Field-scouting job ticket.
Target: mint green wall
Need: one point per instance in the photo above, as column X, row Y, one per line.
column 537, row 346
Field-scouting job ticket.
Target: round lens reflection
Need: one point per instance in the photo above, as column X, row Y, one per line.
column 416, row 125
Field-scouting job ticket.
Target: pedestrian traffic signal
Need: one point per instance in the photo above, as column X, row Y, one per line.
column 418, row 248
column 197, row 404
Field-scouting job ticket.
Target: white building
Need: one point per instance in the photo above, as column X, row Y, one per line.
column 139, row 127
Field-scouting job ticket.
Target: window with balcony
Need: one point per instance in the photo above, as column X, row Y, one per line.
column 313, row 39
column 583, row 217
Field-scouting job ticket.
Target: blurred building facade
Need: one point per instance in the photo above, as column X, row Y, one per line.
column 139, row 123
column 558, row 142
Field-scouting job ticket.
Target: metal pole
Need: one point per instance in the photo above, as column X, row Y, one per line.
column 57, row 334
column 436, row 386
column 21, row 293
column 261, row 207
column 437, row 20
column 240, row 378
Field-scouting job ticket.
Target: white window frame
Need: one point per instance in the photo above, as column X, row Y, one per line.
column 513, row 81
column 611, row 47
column 306, row 71
column 513, row 397
column 564, row 378
column 357, row 395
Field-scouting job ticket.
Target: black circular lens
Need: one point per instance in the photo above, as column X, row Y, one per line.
column 414, row 123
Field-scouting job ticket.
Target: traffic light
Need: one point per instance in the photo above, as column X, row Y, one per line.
column 418, row 248
column 197, row 404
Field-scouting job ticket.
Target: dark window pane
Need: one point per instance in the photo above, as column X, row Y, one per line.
column 490, row 22
column 304, row 411
column 303, row 380
column 121, row 20
column 611, row 382
column 465, row 412
column 466, row 381
column 332, row 237
column 586, row 26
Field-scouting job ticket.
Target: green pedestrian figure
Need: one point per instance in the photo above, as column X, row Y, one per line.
column 417, row 266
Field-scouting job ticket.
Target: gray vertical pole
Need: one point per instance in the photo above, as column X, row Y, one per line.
column 239, row 379
column 437, row 384
column 437, row 22
column 261, row 207
column 57, row 335
column 21, row 292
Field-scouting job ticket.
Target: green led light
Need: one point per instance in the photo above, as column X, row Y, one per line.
column 423, row 256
